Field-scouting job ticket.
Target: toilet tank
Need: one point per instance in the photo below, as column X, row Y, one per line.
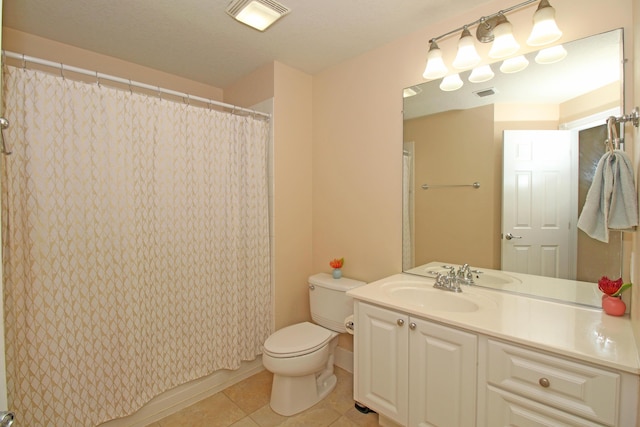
column 329, row 302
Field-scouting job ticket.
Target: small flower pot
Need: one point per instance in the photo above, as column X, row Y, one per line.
column 337, row 273
column 613, row 306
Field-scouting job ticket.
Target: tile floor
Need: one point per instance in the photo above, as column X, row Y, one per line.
column 246, row 404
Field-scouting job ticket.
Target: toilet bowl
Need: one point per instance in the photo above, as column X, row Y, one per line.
column 304, row 376
column 301, row 356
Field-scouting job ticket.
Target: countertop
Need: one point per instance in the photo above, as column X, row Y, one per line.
column 583, row 333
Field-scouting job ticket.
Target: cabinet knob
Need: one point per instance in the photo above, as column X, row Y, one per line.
column 400, row 322
column 544, row 382
column 412, row 325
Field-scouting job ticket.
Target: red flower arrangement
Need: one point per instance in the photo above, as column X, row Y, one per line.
column 613, row 288
column 612, row 304
column 336, row 263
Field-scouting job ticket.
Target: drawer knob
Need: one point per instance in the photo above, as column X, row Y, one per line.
column 400, row 322
column 412, row 326
column 544, row 382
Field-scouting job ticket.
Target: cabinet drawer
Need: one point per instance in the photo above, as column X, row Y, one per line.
column 509, row 409
column 582, row 390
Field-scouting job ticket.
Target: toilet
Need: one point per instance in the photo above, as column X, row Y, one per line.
column 301, row 356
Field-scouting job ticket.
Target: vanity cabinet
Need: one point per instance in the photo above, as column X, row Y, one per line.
column 414, row 372
column 419, row 373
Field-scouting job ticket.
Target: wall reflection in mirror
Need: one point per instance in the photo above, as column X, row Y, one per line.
column 530, row 139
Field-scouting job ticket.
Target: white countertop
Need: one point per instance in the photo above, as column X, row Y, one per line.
column 587, row 334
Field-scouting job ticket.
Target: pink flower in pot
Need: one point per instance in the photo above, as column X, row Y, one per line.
column 612, row 304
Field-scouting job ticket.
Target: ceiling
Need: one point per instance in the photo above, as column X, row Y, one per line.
column 196, row 39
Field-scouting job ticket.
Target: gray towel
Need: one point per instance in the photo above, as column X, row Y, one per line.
column 612, row 198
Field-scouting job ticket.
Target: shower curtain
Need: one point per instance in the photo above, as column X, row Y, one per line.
column 407, row 207
column 136, row 247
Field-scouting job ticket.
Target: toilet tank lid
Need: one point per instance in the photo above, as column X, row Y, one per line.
column 327, row 281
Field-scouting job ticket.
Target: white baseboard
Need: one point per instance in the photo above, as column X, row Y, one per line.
column 343, row 358
column 187, row 394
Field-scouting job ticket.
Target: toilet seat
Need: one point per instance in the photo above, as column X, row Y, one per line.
column 296, row 340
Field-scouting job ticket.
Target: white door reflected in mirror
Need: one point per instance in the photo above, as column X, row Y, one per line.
column 537, row 196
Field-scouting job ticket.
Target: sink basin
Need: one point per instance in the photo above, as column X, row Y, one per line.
column 427, row 297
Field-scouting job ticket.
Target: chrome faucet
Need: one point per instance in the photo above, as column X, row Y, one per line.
column 452, row 280
column 465, row 275
column 448, row 282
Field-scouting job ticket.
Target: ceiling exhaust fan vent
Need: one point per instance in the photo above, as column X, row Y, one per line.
column 236, row 6
column 486, row 92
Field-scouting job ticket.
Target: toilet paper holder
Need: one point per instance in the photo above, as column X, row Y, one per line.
column 349, row 325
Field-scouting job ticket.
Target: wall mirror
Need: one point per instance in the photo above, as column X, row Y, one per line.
column 458, row 167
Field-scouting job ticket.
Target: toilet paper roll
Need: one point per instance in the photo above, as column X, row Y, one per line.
column 348, row 324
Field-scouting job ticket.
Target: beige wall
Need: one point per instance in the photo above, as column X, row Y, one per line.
column 599, row 100
column 357, row 134
column 38, row 47
column 338, row 153
column 451, row 148
column 291, row 91
column 357, row 119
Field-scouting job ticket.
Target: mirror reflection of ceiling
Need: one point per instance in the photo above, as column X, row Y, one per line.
column 587, row 66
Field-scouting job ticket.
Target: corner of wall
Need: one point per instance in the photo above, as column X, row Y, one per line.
column 252, row 88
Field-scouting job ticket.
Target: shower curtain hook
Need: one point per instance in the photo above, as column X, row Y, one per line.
column 97, row 79
column 62, row 70
column 24, row 62
column 130, row 87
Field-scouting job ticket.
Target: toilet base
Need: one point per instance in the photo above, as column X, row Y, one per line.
column 291, row 395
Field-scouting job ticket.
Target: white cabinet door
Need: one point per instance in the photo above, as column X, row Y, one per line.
column 381, row 361
column 443, row 373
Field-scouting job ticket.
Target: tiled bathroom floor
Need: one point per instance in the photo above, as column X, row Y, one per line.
column 246, row 404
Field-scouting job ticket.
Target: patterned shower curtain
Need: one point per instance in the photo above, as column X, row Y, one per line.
column 136, row 247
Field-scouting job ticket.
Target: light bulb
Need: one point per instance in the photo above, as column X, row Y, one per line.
column 451, row 83
column 545, row 30
column 435, row 65
column 467, row 55
column 504, row 44
column 481, row 74
column 513, row 65
column 551, row 54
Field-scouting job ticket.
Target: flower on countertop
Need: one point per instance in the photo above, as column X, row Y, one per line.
column 336, row 263
column 613, row 288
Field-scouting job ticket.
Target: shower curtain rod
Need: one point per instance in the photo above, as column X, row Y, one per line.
column 100, row 76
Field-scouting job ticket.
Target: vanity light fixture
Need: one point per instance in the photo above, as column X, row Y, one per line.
column 551, row 54
column 467, row 55
column 451, row 82
column 545, row 30
column 258, row 14
column 435, row 64
column 495, row 29
column 515, row 64
column 481, row 74
column 504, row 44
